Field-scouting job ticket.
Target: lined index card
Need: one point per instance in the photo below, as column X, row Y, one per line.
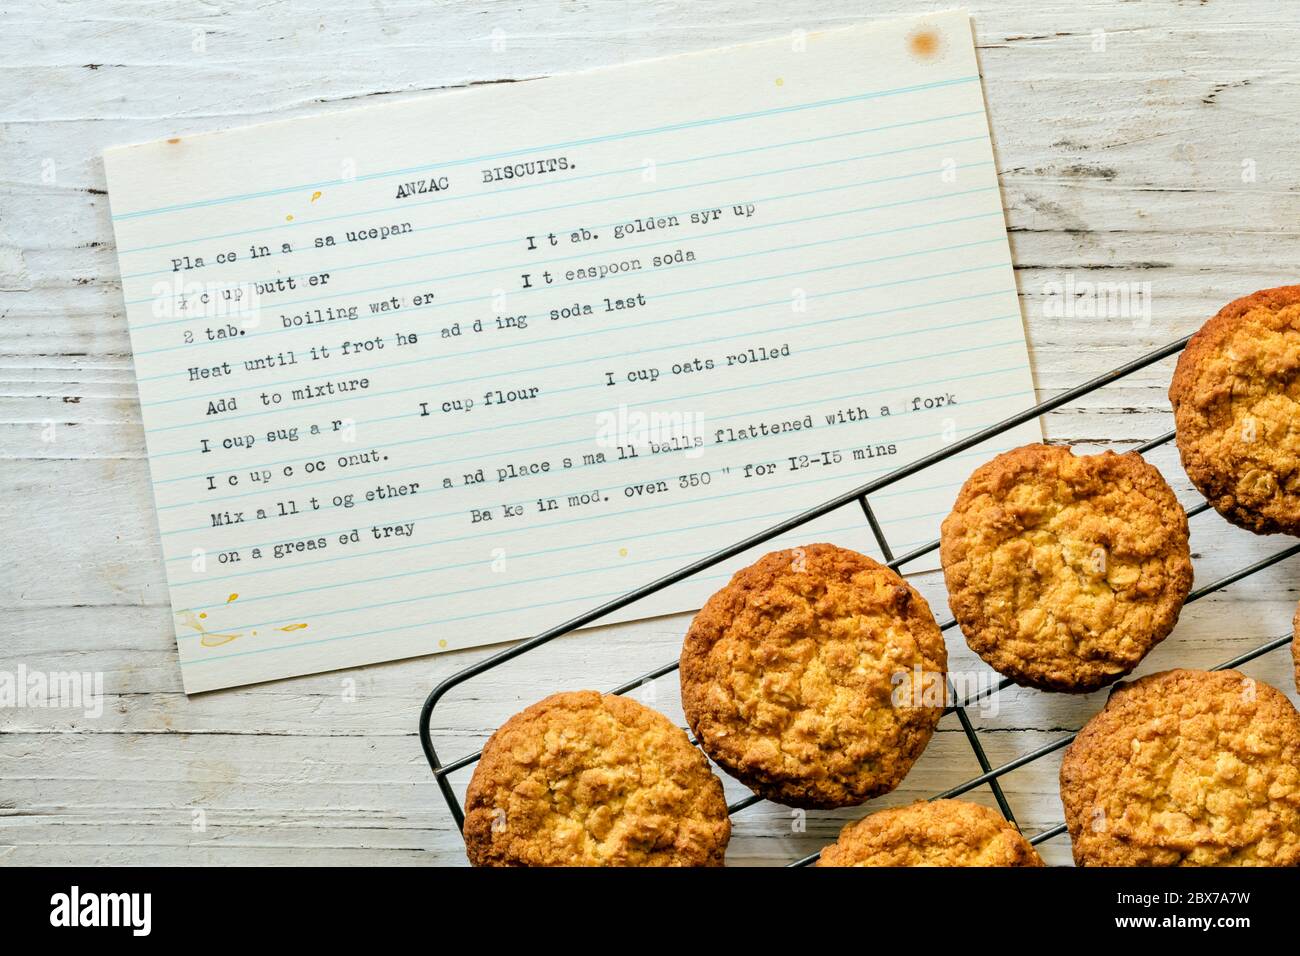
column 446, row 372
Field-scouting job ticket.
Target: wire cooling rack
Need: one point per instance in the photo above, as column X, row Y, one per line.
column 989, row 775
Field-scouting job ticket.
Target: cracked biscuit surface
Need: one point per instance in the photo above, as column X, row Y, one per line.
column 1236, row 398
column 935, row 833
column 1186, row 768
column 584, row 779
column 1064, row 570
column 815, row 677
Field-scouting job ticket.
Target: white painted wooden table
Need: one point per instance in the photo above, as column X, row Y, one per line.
column 1154, row 142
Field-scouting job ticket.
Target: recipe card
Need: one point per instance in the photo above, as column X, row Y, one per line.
column 450, row 371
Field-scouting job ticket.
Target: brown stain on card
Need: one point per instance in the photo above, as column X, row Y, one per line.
column 924, row 44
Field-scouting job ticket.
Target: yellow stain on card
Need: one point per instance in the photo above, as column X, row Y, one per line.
column 780, row 81
column 207, row 638
column 316, row 195
column 442, row 643
column 216, row 640
column 291, row 627
column 622, row 552
column 289, row 218
column 231, row 598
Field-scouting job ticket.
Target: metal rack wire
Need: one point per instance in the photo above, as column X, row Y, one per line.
column 989, row 774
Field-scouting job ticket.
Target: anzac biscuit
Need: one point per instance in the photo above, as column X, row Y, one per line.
column 1064, row 570
column 937, row 833
column 815, row 677
column 1236, row 398
column 1186, row 768
column 581, row 779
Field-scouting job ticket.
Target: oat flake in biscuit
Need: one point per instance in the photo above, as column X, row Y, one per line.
column 815, row 677
column 937, row 833
column 581, row 779
column 1186, row 768
column 1064, row 570
column 1236, row 398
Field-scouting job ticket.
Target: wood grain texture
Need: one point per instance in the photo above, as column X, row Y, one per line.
column 1123, row 132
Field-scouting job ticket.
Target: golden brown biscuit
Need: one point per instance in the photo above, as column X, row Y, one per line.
column 581, row 779
column 1186, row 768
column 1236, row 398
column 937, row 833
column 816, row 677
column 1064, row 570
